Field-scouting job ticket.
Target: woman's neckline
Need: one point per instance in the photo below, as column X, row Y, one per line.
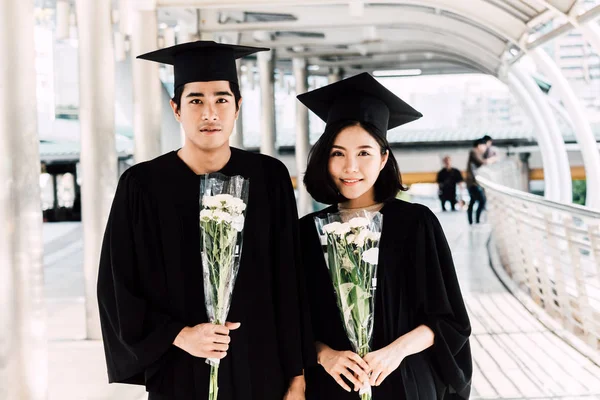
column 372, row 208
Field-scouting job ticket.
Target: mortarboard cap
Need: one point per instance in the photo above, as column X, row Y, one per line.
column 359, row 98
column 202, row 61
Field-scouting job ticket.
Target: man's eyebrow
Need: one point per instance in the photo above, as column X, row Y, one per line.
column 198, row 94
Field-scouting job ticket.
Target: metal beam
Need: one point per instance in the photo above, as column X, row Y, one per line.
column 487, row 15
column 582, row 129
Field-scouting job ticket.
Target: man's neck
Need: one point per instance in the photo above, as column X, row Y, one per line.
column 202, row 161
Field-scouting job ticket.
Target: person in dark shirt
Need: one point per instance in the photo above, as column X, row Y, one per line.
column 490, row 151
column 150, row 285
column 476, row 192
column 447, row 179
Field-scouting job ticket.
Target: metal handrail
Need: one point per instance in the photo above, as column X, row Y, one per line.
column 550, row 251
column 570, row 208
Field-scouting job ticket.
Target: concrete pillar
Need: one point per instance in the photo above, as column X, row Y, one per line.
column 551, row 181
column 63, row 19
column 237, row 137
column 302, row 137
column 23, row 349
column 565, row 188
column 98, row 151
column 146, row 85
column 266, row 67
column 581, row 126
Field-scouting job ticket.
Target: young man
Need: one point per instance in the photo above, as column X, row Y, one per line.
column 476, row 192
column 447, row 179
column 150, row 284
column 490, row 150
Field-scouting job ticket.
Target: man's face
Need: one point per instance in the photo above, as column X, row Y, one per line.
column 207, row 114
column 447, row 162
column 481, row 148
column 488, row 144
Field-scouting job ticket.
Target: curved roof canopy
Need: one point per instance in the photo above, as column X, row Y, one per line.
column 435, row 36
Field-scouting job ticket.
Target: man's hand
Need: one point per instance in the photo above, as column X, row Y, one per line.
column 296, row 389
column 206, row 340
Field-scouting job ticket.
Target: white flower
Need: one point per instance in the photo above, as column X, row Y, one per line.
column 361, row 237
column 331, row 228
column 206, row 215
column 371, row 256
column 350, row 238
column 223, row 198
column 375, row 236
column 237, row 205
column 210, row 202
column 358, row 222
column 238, row 223
column 342, row 229
column 222, row 216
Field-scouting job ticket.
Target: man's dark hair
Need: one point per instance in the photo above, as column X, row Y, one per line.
column 478, row 142
column 487, row 138
column 235, row 89
column 318, row 181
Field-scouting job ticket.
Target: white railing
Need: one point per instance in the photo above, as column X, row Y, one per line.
column 550, row 250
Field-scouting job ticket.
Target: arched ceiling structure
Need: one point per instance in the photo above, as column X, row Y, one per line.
column 435, row 36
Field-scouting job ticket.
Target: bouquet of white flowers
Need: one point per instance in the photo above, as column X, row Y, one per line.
column 222, row 213
column 352, row 257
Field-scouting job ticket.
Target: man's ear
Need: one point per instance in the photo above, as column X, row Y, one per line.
column 239, row 105
column 175, row 110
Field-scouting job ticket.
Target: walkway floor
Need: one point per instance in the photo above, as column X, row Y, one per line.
column 515, row 356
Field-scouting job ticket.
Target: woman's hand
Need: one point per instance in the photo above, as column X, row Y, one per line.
column 296, row 389
column 383, row 362
column 343, row 363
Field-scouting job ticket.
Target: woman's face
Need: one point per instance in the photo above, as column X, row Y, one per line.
column 355, row 161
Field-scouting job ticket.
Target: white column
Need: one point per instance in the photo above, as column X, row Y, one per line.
column 581, row 126
column 98, row 151
column 551, row 181
column 23, row 349
column 63, row 19
column 302, row 137
column 146, row 85
column 237, row 137
column 266, row 67
column 565, row 189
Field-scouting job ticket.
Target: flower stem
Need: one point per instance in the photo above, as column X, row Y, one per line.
column 213, row 391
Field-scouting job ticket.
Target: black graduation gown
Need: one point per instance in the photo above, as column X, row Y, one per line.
column 150, row 283
column 417, row 285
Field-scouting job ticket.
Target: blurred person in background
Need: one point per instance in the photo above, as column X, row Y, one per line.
column 447, row 179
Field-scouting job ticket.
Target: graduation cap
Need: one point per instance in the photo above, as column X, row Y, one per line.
column 359, row 98
column 202, row 61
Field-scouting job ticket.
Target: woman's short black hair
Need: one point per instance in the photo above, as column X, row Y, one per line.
column 318, row 181
column 235, row 89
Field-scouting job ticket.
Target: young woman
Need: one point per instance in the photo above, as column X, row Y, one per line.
column 420, row 348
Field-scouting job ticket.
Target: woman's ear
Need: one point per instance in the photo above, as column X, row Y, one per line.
column 384, row 158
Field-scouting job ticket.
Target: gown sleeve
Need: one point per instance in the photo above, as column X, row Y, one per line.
column 294, row 332
column 443, row 310
column 135, row 334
